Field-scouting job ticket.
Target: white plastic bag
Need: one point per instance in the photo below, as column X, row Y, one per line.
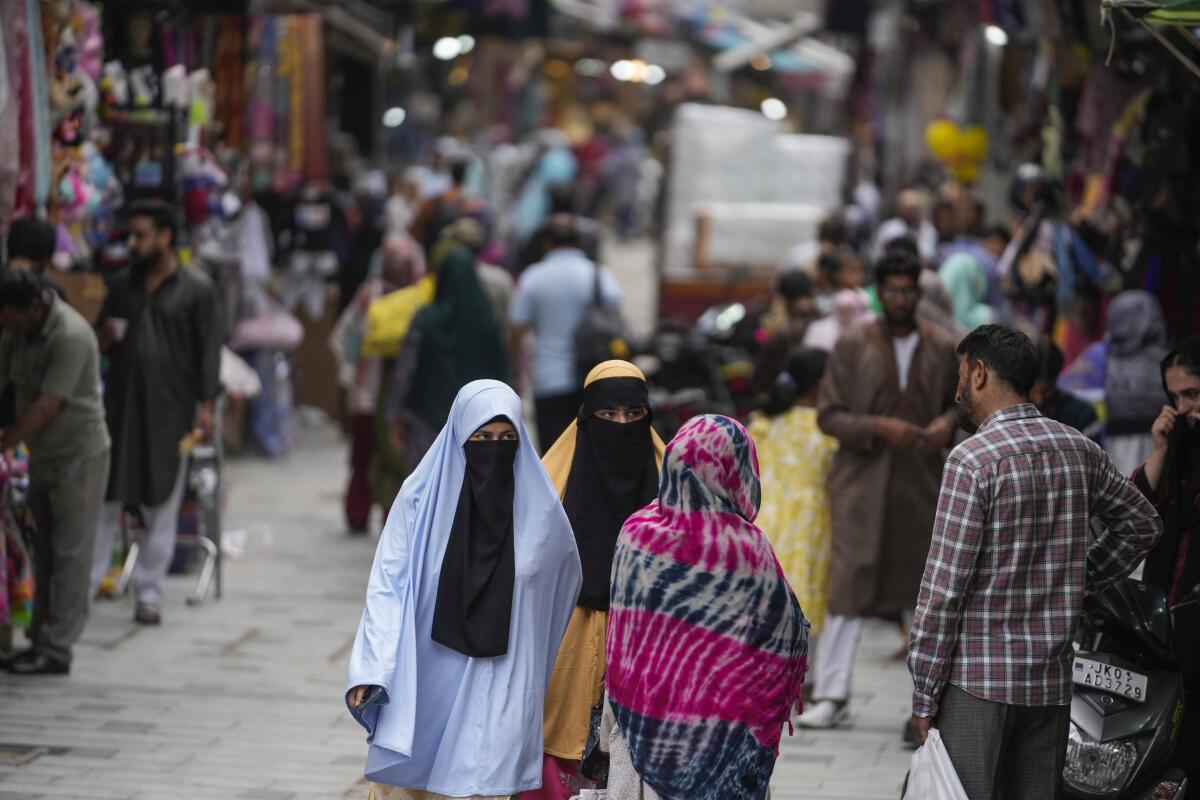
column 932, row 776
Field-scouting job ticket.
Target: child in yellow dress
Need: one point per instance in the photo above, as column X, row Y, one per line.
column 794, row 458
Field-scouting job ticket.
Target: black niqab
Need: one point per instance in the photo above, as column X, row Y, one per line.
column 613, row 475
column 1179, row 489
column 475, row 589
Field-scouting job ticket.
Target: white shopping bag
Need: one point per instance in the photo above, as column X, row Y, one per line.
column 932, row 776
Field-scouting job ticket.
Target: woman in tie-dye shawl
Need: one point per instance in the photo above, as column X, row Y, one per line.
column 707, row 645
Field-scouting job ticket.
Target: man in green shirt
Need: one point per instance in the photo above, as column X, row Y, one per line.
column 50, row 356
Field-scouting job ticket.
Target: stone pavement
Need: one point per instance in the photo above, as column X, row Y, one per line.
column 242, row 698
column 866, row 760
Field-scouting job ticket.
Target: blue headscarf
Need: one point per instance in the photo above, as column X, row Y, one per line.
column 436, row 690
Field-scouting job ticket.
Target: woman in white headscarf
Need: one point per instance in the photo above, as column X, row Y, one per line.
column 476, row 575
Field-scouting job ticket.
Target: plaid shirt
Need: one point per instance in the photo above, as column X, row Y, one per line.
column 1011, row 554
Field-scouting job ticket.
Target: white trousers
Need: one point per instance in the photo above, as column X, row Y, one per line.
column 155, row 547
column 835, row 657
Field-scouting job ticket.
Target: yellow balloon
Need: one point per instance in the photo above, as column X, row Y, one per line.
column 967, row 173
column 974, row 143
column 941, row 136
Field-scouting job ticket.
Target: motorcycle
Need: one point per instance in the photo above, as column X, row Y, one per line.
column 702, row 369
column 1128, row 704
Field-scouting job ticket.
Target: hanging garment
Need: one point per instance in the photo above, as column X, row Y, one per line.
column 1136, row 340
column 10, row 139
column 41, row 104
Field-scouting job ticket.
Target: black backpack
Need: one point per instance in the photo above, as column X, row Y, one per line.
column 600, row 335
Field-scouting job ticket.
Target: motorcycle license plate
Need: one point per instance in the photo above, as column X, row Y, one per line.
column 1107, row 678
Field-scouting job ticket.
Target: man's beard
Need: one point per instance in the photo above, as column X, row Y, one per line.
column 965, row 410
column 902, row 321
column 142, row 265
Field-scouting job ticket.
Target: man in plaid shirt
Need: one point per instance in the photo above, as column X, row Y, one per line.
column 990, row 652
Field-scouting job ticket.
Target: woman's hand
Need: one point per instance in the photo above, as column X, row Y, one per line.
column 1161, row 432
column 356, row 696
column 1162, row 427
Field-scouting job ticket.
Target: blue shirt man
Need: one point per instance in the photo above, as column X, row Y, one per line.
column 552, row 299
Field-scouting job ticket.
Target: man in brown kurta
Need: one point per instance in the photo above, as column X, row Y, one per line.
column 888, row 398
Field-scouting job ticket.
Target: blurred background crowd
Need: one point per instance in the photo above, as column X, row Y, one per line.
column 521, row 166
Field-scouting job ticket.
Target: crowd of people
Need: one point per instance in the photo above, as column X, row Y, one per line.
column 918, row 453
column 580, row 607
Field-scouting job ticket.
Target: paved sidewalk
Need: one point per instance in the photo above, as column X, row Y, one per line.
column 242, row 698
column 867, row 759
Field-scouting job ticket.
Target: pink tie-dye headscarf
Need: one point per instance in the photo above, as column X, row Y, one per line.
column 707, row 644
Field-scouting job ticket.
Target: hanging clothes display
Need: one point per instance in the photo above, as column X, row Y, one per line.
column 312, row 71
column 23, row 52
column 10, row 142
column 286, row 103
column 229, row 72
column 40, row 150
column 16, row 531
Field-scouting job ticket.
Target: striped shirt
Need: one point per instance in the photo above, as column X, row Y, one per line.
column 1011, row 556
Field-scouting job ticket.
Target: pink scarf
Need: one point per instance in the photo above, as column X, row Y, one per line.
column 707, row 644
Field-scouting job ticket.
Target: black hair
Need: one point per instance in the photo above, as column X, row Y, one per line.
column 899, row 264
column 562, row 198
column 1185, row 355
column 902, row 245
column 33, row 239
column 458, row 171
column 805, row 368
column 828, row 265
column 997, row 232
column 159, row 212
column 1009, row 355
column 561, row 232
column 1050, row 359
column 833, row 229
column 20, row 289
column 793, row 284
column 806, row 365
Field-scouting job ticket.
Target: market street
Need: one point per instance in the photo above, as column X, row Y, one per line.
column 241, row 698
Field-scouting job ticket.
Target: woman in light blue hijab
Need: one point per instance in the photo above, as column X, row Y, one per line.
column 474, row 580
column 555, row 164
column 968, row 286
